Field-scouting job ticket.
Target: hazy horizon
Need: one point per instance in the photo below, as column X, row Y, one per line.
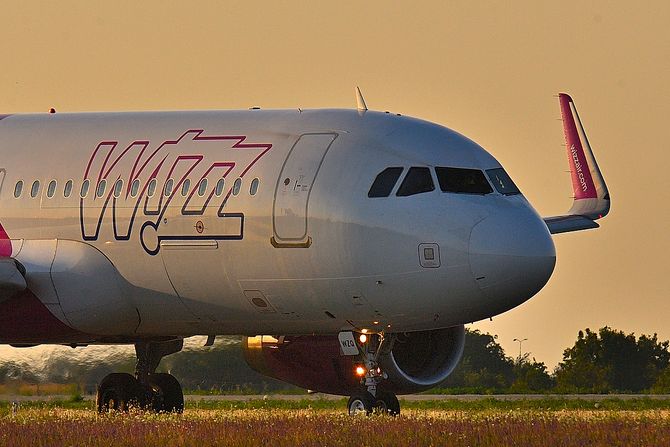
column 490, row 71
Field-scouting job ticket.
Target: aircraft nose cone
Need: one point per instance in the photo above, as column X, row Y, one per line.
column 512, row 257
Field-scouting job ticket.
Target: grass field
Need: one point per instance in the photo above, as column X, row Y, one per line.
column 289, row 423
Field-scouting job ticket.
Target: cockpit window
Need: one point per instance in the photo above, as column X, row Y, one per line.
column 502, row 182
column 460, row 180
column 416, row 181
column 384, row 182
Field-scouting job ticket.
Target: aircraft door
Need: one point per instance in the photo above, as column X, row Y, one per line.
column 294, row 186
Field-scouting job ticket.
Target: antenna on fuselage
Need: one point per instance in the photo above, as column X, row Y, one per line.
column 360, row 102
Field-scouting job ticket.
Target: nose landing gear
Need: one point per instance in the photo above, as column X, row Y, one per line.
column 371, row 399
column 148, row 390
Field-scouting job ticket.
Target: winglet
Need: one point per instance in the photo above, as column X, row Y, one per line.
column 591, row 197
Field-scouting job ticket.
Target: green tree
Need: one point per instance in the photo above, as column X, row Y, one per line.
column 610, row 360
column 530, row 376
column 662, row 385
column 484, row 366
column 17, row 372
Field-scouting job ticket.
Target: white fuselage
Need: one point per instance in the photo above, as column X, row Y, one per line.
column 295, row 246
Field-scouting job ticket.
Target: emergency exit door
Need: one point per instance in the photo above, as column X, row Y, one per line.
column 290, row 213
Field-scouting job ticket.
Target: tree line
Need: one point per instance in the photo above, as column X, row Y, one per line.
column 606, row 361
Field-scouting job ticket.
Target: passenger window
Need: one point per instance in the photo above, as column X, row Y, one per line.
column 51, row 189
column 203, row 187
column 416, row 181
column 384, row 182
column 219, row 187
column 236, row 186
column 151, row 190
column 118, row 187
column 35, row 189
column 67, row 191
column 502, row 182
column 253, row 189
column 185, row 187
column 135, row 187
column 461, row 180
column 84, row 189
column 168, row 187
column 18, row 188
column 101, row 188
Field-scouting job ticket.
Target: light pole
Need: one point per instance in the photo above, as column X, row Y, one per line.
column 520, row 342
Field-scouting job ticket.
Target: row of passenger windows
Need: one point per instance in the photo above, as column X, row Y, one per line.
column 458, row 180
column 134, row 188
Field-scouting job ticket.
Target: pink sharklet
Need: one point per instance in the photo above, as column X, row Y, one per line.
column 582, row 182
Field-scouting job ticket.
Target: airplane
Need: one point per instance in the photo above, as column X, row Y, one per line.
column 361, row 241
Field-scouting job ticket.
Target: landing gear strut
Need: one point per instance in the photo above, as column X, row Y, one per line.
column 146, row 390
column 371, row 399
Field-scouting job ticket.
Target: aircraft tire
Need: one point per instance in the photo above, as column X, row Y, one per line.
column 388, row 403
column 168, row 396
column 361, row 403
column 119, row 392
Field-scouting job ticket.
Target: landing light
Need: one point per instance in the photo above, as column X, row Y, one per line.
column 363, row 338
column 360, row 371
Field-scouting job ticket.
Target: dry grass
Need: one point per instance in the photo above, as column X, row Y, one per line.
column 74, row 427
